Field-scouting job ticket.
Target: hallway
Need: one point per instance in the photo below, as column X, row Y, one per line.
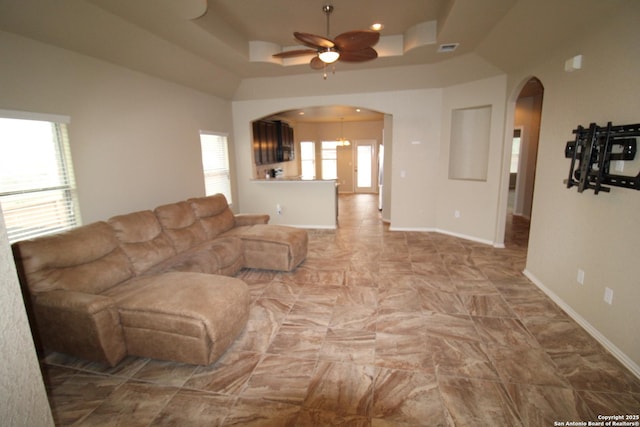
column 360, row 211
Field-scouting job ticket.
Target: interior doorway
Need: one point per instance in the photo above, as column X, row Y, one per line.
column 524, row 151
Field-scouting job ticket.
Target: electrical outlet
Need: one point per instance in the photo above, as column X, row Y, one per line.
column 278, row 209
column 580, row 277
column 456, row 213
column 608, row 295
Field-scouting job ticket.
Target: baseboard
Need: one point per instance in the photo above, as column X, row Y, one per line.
column 448, row 233
column 591, row 330
column 466, row 237
column 420, row 229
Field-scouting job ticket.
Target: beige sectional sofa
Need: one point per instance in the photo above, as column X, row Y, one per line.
column 152, row 283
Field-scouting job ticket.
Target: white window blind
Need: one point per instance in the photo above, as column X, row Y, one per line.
column 37, row 186
column 215, row 164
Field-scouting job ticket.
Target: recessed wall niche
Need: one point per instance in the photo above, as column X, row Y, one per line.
column 469, row 147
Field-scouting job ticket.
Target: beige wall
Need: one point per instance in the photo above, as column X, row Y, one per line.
column 475, row 202
column 24, row 400
column 126, row 127
column 597, row 233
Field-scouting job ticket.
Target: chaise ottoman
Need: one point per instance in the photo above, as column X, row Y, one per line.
column 186, row 317
column 273, row 247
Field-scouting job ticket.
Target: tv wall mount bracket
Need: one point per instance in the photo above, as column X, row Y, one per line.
column 592, row 152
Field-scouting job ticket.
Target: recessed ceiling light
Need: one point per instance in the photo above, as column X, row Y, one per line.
column 357, row 110
column 377, row 26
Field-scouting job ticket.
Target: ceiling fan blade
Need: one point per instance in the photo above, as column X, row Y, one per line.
column 317, row 64
column 314, row 41
column 361, row 55
column 297, row 52
column 357, row 40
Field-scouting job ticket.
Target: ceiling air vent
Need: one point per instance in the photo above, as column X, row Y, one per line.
column 449, row 47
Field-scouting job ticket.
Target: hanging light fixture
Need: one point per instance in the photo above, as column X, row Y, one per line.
column 342, row 142
column 330, row 54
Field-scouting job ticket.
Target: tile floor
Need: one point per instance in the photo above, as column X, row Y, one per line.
column 377, row 328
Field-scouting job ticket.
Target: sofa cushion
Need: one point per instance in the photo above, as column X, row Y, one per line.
column 214, row 214
column 181, row 225
column 141, row 237
column 198, row 260
column 86, row 259
column 222, row 255
column 229, row 252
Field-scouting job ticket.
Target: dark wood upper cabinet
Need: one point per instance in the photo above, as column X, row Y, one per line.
column 272, row 142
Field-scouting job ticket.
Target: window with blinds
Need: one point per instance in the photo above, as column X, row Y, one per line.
column 329, row 154
column 37, row 186
column 215, row 164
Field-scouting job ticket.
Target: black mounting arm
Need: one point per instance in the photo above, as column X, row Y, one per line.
column 593, row 150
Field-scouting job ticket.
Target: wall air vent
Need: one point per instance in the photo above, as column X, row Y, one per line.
column 449, row 47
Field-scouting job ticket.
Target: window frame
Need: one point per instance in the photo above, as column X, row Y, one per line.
column 226, row 170
column 329, row 154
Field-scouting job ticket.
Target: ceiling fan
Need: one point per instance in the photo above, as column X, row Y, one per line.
column 352, row 46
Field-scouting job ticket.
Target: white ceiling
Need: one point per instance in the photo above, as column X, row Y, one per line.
column 204, row 44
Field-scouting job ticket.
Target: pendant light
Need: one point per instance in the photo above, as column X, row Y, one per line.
column 342, row 141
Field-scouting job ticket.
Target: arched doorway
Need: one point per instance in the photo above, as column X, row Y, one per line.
column 524, row 153
column 330, row 138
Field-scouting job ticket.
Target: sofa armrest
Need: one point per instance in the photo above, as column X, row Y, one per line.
column 80, row 324
column 251, row 219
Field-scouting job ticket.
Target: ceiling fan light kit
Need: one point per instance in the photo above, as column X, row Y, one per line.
column 351, row 46
column 329, row 56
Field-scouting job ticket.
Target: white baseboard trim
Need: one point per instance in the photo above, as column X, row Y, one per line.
column 449, row 233
column 420, row 229
column 464, row 236
column 591, row 330
column 311, row 227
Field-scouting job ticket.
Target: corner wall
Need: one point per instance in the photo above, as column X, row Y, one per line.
column 469, row 208
column 595, row 233
column 24, row 400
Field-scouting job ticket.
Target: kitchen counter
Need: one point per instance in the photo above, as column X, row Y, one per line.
column 291, row 179
column 307, row 203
